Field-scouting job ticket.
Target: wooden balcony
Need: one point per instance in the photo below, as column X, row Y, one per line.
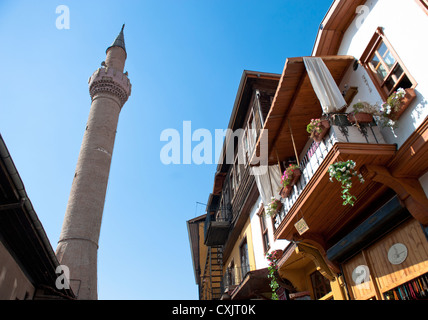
column 314, row 198
column 318, row 200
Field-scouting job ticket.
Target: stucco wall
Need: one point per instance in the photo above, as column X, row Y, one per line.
column 259, row 254
column 404, row 24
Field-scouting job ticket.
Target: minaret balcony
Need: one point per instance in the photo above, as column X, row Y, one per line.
column 111, row 81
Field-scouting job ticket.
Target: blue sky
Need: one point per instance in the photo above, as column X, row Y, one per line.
column 185, row 61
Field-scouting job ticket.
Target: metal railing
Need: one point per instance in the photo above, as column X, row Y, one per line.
column 234, row 276
column 223, row 213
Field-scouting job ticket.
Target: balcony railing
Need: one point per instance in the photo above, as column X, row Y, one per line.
column 341, row 131
column 234, row 276
column 216, row 228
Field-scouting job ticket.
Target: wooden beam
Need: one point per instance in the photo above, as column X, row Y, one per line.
column 12, row 206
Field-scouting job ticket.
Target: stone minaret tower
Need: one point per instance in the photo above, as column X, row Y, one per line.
column 77, row 247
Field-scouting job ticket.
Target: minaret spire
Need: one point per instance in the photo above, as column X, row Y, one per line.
column 119, row 41
column 77, row 249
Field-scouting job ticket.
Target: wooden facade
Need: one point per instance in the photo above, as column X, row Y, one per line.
column 383, row 275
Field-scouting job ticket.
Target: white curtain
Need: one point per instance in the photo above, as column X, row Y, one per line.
column 267, row 182
column 325, row 87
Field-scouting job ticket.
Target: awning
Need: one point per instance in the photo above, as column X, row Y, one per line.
column 298, row 254
column 296, row 100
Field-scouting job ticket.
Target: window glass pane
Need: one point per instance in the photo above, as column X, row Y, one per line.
column 378, row 67
column 381, row 72
column 244, row 259
column 266, row 241
column 389, row 59
column 398, row 71
column 405, row 83
column 382, row 49
column 320, row 285
column 389, row 84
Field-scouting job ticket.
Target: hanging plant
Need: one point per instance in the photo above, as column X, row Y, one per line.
column 343, row 171
column 274, row 206
column 273, row 258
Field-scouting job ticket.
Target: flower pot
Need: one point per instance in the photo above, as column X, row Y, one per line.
column 325, row 126
column 278, row 209
column 277, row 254
column 360, row 117
column 285, row 191
column 296, row 176
column 408, row 98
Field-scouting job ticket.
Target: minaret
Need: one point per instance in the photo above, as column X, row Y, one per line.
column 77, row 248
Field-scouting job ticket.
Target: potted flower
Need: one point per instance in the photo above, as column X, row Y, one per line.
column 318, row 128
column 274, row 206
column 362, row 112
column 343, row 171
column 395, row 105
column 289, row 179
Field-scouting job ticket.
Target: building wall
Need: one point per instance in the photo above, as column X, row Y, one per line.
column 13, row 282
column 235, row 254
column 259, row 254
column 403, row 22
column 203, row 249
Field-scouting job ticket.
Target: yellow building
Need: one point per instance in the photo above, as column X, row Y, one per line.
column 226, row 255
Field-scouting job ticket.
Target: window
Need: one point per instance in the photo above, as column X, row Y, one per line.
column 237, row 171
column 243, row 252
column 385, row 68
column 230, row 274
column 246, row 147
column 265, row 236
column 320, row 285
column 251, row 132
column 232, row 184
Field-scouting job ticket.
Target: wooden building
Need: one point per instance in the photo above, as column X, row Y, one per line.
column 223, row 253
column 368, row 240
column 377, row 247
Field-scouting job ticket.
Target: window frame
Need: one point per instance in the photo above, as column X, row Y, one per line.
column 367, row 56
column 264, row 230
column 244, row 258
column 238, row 172
column 423, row 4
column 319, row 284
column 232, row 184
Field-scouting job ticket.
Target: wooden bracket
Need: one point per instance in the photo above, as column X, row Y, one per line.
column 409, row 190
